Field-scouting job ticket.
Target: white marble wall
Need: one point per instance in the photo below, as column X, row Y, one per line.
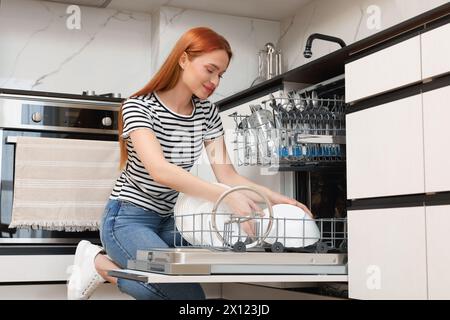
column 349, row 20
column 118, row 51
column 114, row 51
column 110, row 53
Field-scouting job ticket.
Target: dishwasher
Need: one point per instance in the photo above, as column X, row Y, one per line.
column 303, row 131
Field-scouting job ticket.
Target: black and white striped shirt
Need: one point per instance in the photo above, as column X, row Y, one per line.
column 181, row 138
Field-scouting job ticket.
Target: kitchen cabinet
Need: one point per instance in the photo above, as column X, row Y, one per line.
column 421, row 57
column 438, row 253
column 385, row 150
column 436, row 115
column 56, row 291
column 436, row 51
column 45, row 268
column 398, row 147
column 387, row 253
column 390, row 68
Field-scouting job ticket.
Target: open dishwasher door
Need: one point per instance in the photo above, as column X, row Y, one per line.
column 197, row 261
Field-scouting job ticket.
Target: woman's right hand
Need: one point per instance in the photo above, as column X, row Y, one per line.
column 242, row 205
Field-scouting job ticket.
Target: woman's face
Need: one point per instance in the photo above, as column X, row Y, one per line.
column 202, row 74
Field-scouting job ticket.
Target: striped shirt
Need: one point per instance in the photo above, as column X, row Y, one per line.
column 181, row 138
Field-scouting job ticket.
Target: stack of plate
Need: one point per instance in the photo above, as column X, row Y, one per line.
column 193, row 221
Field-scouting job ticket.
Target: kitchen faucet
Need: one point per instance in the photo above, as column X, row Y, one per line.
column 307, row 53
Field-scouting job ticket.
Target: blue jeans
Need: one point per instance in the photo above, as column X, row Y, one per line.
column 126, row 228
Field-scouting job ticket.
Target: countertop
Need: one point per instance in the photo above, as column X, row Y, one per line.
column 69, row 96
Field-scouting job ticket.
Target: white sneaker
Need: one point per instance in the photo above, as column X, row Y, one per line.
column 84, row 278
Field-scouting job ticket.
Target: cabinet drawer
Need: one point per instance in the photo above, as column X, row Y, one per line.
column 387, row 253
column 436, row 52
column 385, row 150
column 436, row 114
column 438, row 224
column 384, row 70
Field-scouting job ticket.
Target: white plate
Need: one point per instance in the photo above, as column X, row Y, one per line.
column 193, row 221
column 291, row 226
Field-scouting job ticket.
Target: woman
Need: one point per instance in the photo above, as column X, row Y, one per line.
column 162, row 131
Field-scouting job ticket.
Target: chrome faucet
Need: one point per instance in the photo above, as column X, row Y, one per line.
column 307, row 53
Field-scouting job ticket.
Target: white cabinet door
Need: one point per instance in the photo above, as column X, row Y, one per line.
column 34, row 268
column 385, row 150
column 436, row 117
column 438, row 252
column 384, row 70
column 386, row 253
column 436, row 51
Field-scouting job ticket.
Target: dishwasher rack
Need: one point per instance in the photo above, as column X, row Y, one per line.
column 230, row 232
column 285, row 234
column 302, row 129
column 215, row 246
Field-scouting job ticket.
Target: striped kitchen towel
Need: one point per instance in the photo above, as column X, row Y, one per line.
column 62, row 184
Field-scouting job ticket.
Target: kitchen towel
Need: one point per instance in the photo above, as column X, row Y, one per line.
column 62, row 184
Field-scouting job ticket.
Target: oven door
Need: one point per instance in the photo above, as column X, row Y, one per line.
column 22, row 237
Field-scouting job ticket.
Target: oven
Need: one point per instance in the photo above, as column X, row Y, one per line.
column 50, row 117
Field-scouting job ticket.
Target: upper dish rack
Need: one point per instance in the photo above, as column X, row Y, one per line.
column 299, row 128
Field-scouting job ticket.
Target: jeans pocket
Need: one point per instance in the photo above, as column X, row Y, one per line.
column 112, row 206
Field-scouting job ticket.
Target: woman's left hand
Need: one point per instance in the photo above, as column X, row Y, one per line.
column 277, row 198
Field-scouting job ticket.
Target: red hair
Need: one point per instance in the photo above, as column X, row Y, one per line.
column 194, row 42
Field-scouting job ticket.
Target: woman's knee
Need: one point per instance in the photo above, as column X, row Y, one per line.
column 122, row 243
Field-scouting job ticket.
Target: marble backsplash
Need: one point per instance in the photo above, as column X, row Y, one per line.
column 110, row 52
column 350, row 20
column 119, row 51
column 113, row 50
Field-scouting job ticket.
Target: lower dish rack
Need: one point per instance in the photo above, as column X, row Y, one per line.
column 224, row 243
